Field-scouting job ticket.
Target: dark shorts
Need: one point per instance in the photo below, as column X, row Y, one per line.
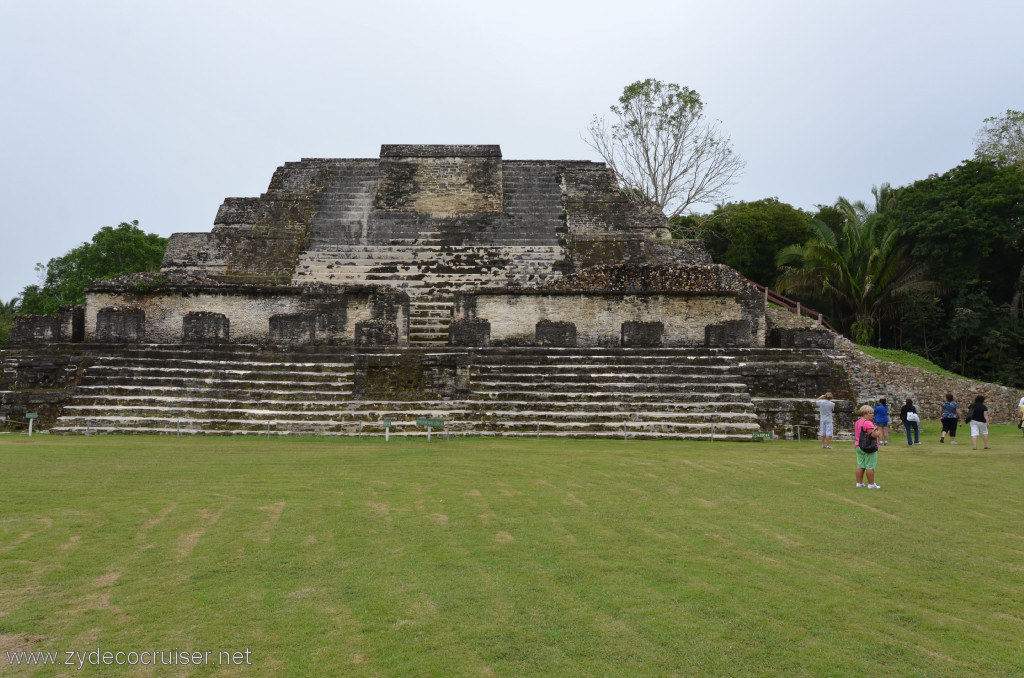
column 949, row 426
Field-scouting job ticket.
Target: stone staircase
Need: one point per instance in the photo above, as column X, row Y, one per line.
column 601, row 393
column 350, row 242
column 225, row 390
column 429, row 319
column 634, row 393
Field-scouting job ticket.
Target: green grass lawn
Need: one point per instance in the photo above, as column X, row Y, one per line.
column 514, row 557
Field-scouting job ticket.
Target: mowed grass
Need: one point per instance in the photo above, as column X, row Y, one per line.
column 480, row 557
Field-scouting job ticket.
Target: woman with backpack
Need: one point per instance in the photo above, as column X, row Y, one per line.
column 865, row 437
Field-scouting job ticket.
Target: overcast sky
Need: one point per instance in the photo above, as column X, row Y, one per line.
column 119, row 110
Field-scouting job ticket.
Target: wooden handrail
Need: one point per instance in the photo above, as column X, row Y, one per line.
column 790, row 304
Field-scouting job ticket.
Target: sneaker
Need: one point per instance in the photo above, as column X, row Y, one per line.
column 874, row 487
column 917, row 443
column 942, row 439
column 861, row 485
column 952, row 442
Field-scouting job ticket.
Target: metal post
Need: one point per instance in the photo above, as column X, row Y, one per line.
column 798, row 309
column 625, row 436
column 360, row 430
column 712, row 433
column 268, row 430
column 798, row 435
column 30, row 422
column 88, row 432
column 447, row 433
column 538, row 430
column 178, row 427
column 387, row 433
column 428, row 434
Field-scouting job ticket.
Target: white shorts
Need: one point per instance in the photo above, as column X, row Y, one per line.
column 978, row 428
column 824, row 429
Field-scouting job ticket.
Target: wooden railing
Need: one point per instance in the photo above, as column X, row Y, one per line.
column 791, row 305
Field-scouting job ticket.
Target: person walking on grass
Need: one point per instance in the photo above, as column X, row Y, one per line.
column 911, row 420
column 866, row 461
column 825, row 419
column 977, row 415
column 949, row 415
column 881, row 413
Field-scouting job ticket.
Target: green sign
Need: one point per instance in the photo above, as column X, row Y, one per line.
column 31, row 415
column 432, row 423
column 763, row 435
column 386, row 422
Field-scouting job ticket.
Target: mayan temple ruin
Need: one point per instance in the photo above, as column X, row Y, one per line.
column 504, row 297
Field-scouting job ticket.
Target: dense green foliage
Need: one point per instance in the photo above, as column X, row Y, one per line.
column 515, row 557
column 7, row 311
column 739, row 234
column 967, row 226
column 861, row 274
column 935, row 267
column 113, row 251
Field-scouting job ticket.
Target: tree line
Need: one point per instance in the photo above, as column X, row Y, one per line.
column 935, row 267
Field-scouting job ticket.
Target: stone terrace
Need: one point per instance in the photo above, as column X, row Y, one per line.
column 651, row 393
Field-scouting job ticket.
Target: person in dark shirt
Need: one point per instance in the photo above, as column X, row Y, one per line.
column 911, row 422
column 977, row 417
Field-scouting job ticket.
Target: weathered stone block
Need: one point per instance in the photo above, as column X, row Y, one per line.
column 292, row 328
column 120, row 325
column 205, row 327
column 31, row 329
column 376, row 333
column 728, row 333
column 465, row 332
column 801, row 338
column 72, row 323
column 555, row 333
column 637, row 334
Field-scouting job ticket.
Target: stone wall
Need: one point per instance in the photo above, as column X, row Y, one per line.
column 598, row 317
column 247, row 310
column 871, row 379
column 40, row 381
column 440, row 179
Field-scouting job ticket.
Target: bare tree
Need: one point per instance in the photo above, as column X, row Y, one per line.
column 663, row 150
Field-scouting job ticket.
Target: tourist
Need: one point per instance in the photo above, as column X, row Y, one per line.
column 881, row 413
column 825, row 420
column 949, row 415
column 977, row 415
column 1020, row 415
column 910, row 420
column 866, row 461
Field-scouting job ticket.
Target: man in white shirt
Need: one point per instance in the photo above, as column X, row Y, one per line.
column 825, row 409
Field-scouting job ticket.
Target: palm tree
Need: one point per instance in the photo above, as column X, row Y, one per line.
column 861, row 271
column 9, row 308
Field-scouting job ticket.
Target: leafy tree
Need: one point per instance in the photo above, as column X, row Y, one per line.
column 863, row 273
column 113, row 251
column 1001, row 139
column 7, row 311
column 968, row 226
column 748, row 235
column 662, row 148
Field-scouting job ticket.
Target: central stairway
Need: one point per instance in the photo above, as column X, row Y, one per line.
column 552, row 392
column 429, row 320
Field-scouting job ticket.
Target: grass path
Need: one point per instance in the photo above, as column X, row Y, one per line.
column 514, row 557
